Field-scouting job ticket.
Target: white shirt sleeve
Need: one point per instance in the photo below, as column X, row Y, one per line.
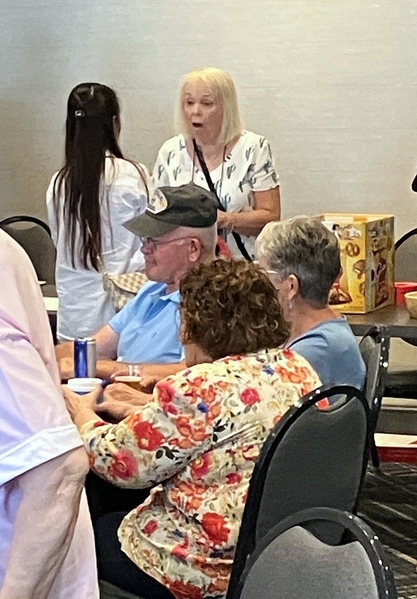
column 130, row 186
column 34, row 425
column 50, row 209
column 160, row 173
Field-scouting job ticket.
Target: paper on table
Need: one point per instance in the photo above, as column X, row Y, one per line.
column 388, row 440
column 51, row 303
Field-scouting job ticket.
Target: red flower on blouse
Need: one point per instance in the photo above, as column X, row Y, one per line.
column 249, row 396
column 222, row 249
column 150, row 527
column 234, row 477
column 183, row 426
column 297, row 375
column 287, row 353
column 165, row 396
column 124, row 465
column 214, row 526
column 201, row 465
column 147, row 436
column 180, row 551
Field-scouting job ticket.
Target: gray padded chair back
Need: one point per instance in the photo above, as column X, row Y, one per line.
column 313, row 457
column 291, row 562
column 319, row 462
column 298, row 565
column 33, row 236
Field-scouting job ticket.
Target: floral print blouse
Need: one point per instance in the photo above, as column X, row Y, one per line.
column 196, row 442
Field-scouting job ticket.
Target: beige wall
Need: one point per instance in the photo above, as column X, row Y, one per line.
column 332, row 84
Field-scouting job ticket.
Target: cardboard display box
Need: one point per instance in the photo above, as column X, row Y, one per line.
column 367, row 258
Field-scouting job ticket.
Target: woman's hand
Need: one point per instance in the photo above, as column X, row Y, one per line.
column 123, row 393
column 225, row 220
column 113, row 410
column 81, row 407
column 266, row 208
column 120, row 400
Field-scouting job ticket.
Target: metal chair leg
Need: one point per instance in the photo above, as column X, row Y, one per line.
column 374, row 453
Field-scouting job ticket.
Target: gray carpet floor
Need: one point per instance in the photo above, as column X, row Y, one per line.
column 389, row 505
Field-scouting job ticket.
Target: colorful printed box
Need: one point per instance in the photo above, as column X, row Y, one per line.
column 367, row 258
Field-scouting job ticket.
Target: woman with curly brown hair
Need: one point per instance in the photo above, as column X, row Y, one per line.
column 198, row 436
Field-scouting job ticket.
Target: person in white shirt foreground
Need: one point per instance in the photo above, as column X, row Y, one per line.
column 46, row 540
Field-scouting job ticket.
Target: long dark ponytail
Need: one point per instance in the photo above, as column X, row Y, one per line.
column 92, row 126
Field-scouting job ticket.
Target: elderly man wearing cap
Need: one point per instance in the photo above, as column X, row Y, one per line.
column 178, row 232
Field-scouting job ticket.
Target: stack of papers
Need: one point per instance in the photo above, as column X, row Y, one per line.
column 396, row 448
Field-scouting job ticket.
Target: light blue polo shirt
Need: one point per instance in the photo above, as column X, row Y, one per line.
column 148, row 327
column 333, row 352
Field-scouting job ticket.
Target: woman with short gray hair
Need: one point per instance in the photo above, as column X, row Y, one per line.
column 302, row 259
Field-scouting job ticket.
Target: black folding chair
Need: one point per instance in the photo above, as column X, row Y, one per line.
column 374, row 348
column 35, row 238
column 405, row 257
column 291, row 562
column 403, row 383
column 312, row 457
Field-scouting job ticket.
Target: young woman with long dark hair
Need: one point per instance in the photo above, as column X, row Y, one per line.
column 88, row 200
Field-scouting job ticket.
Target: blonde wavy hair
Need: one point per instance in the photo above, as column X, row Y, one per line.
column 230, row 307
column 223, row 89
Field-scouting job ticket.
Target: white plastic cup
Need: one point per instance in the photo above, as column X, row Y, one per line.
column 81, row 386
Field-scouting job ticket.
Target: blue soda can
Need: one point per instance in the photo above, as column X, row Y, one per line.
column 85, row 358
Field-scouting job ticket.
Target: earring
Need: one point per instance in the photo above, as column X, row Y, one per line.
column 290, row 305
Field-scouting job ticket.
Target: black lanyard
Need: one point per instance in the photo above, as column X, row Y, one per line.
column 204, row 168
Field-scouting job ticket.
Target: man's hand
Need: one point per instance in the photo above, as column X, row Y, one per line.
column 105, row 369
column 149, row 378
column 147, row 382
column 66, row 368
column 64, row 350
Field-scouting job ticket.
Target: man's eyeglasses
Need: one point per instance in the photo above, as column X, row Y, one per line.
column 154, row 243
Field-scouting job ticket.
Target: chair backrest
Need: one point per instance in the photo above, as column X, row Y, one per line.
column 35, row 238
column 374, row 348
column 312, row 457
column 405, row 257
column 290, row 562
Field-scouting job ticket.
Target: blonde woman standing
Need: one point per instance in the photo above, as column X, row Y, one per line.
column 240, row 162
